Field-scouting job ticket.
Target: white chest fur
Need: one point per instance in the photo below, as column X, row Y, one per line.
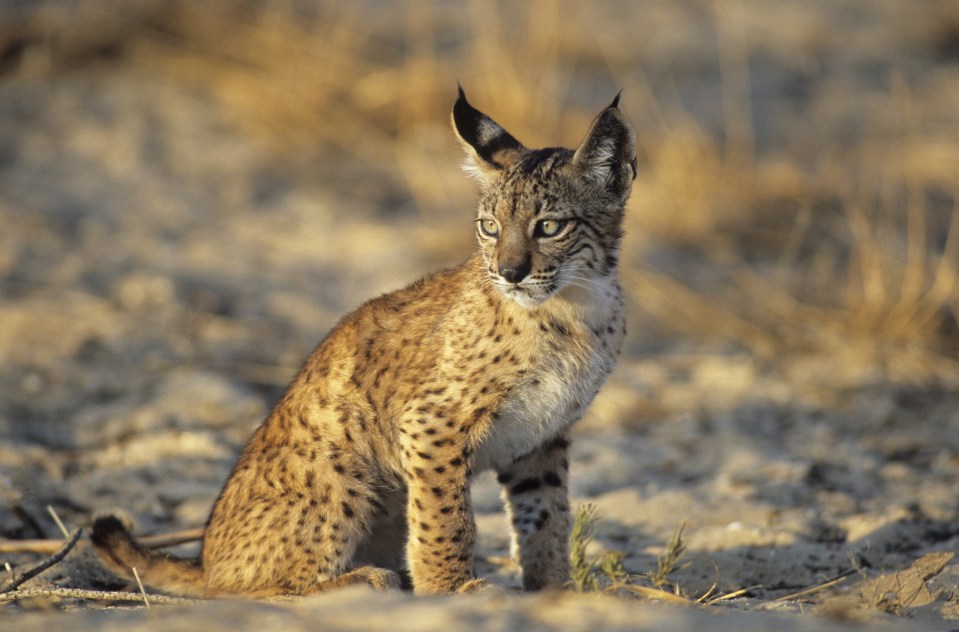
column 541, row 409
column 556, row 393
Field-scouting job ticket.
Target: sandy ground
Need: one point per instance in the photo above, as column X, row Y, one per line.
column 162, row 276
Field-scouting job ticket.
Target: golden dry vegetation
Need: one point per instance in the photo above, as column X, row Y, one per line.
column 801, row 160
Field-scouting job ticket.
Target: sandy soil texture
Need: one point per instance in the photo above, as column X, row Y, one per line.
column 191, row 195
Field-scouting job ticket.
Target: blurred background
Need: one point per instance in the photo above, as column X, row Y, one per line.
column 798, row 160
column 192, row 193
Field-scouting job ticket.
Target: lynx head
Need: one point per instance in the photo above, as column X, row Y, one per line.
column 551, row 217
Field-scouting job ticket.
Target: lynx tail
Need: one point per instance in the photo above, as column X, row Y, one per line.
column 120, row 552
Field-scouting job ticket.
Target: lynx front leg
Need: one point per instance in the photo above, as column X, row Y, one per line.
column 442, row 531
column 537, row 504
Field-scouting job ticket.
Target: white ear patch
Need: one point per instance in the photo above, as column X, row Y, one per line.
column 601, row 159
column 487, row 130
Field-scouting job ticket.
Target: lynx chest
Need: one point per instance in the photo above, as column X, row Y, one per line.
column 566, row 372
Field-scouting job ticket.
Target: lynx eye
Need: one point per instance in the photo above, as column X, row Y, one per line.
column 549, row 227
column 489, row 227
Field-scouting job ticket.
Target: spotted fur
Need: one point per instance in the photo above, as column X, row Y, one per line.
column 362, row 469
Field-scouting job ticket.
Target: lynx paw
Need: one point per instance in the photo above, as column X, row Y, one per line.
column 374, row 577
column 478, row 586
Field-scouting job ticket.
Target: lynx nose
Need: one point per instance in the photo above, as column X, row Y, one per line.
column 515, row 271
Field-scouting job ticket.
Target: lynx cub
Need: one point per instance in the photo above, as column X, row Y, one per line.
column 363, row 467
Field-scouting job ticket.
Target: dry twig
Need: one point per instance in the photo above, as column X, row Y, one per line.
column 143, row 593
column 47, row 563
column 731, row 595
column 47, row 547
column 56, row 519
column 92, row 595
column 817, row 588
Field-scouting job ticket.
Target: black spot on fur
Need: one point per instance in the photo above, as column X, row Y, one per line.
column 552, row 479
column 525, row 485
column 543, row 518
column 559, row 443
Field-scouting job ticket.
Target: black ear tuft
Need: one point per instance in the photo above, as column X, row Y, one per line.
column 615, row 103
column 490, row 146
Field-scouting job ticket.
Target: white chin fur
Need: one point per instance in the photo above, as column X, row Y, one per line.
column 521, row 297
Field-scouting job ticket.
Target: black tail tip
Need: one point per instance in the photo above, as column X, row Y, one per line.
column 105, row 528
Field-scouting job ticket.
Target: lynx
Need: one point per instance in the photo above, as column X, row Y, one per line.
column 362, row 471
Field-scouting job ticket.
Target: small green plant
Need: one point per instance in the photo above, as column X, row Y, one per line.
column 584, row 531
column 607, row 574
column 590, row 575
column 611, row 565
column 669, row 560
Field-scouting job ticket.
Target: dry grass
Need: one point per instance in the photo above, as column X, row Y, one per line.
column 866, row 263
column 851, row 247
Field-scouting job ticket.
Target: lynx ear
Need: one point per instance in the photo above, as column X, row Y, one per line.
column 608, row 155
column 489, row 147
